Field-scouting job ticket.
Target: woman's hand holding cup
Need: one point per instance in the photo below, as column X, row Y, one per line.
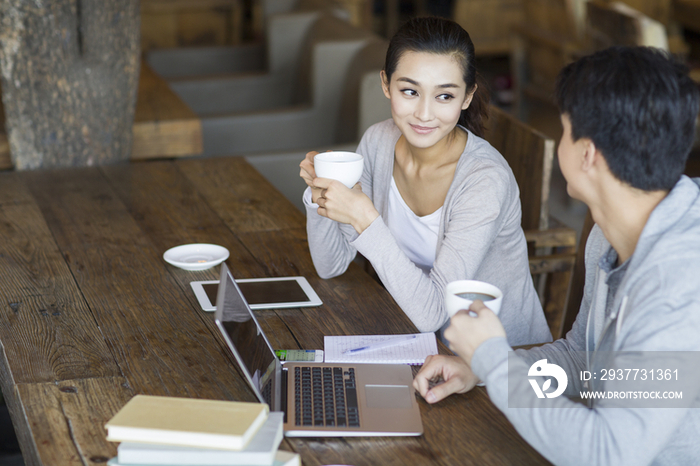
column 308, row 174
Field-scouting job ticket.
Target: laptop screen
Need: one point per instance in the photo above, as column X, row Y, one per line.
column 252, row 349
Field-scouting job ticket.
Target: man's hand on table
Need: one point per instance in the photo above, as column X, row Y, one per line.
column 465, row 334
column 456, row 374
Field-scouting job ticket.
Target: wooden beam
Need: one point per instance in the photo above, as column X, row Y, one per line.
column 164, row 126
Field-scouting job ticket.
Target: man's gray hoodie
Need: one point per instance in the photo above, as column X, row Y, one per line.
column 654, row 308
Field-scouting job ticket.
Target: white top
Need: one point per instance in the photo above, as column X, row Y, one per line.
column 480, row 238
column 416, row 236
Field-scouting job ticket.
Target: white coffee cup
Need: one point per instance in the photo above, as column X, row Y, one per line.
column 461, row 293
column 345, row 167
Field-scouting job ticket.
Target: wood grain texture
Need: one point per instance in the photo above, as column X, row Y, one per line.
column 124, row 280
column 529, row 154
column 111, row 225
column 47, row 330
column 241, row 196
column 67, row 420
column 561, row 236
column 455, row 433
column 171, row 212
column 164, row 126
column 578, row 278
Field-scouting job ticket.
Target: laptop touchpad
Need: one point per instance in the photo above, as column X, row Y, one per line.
column 388, row 396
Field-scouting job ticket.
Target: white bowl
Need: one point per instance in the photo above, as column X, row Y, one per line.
column 345, row 167
column 198, row 256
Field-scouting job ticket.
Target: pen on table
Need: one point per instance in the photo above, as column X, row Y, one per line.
column 381, row 344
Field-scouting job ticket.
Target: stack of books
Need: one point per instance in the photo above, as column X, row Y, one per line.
column 167, row 431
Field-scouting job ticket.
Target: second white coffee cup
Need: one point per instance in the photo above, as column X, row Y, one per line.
column 461, row 293
column 345, row 167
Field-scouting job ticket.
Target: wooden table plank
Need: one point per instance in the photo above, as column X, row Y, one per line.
column 69, row 418
column 347, row 310
column 111, row 226
column 164, row 125
column 124, row 280
column 47, row 331
column 171, row 212
column 241, row 196
column 345, row 307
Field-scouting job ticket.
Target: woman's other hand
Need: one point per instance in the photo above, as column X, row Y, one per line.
column 344, row 205
column 308, row 174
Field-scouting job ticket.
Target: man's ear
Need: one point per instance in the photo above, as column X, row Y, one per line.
column 591, row 156
column 385, row 84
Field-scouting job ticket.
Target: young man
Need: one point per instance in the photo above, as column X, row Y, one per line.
column 629, row 118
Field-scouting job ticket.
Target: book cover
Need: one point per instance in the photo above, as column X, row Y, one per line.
column 282, row 458
column 260, row 451
column 226, row 425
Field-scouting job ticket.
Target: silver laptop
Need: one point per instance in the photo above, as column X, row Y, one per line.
column 318, row 399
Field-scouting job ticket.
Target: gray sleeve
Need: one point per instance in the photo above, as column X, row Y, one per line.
column 474, row 221
column 329, row 241
column 567, row 432
column 330, row 250
column 569, row 352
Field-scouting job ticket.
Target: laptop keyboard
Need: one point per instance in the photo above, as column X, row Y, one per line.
column 325, row 396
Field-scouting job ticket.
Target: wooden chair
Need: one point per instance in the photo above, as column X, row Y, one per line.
column 574, row 294
column 578, row 276
column 551, row 245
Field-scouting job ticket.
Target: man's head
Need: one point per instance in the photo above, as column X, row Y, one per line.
column 638, row 106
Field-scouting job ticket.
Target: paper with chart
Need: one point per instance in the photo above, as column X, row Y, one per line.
column 380, row 349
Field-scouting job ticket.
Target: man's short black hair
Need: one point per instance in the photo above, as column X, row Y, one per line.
column 638, row 106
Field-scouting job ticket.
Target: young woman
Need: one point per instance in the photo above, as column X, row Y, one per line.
column 436, row 203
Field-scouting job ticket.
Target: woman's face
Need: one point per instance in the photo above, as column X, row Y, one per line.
column 427, row 93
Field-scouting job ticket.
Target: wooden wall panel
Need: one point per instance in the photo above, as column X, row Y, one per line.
column 186, row 23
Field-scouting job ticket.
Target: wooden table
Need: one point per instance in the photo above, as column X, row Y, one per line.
column 92, row 315
column 164, row 125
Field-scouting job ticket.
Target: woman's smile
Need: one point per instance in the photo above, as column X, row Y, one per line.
column 423, row 129
column 427, row 93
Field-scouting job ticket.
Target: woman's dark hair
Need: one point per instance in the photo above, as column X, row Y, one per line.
column 444, row 37
column 638, row 105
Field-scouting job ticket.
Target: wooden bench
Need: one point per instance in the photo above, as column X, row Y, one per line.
column 164, row 126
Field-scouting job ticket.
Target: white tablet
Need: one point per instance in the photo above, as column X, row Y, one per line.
column 262, row 293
